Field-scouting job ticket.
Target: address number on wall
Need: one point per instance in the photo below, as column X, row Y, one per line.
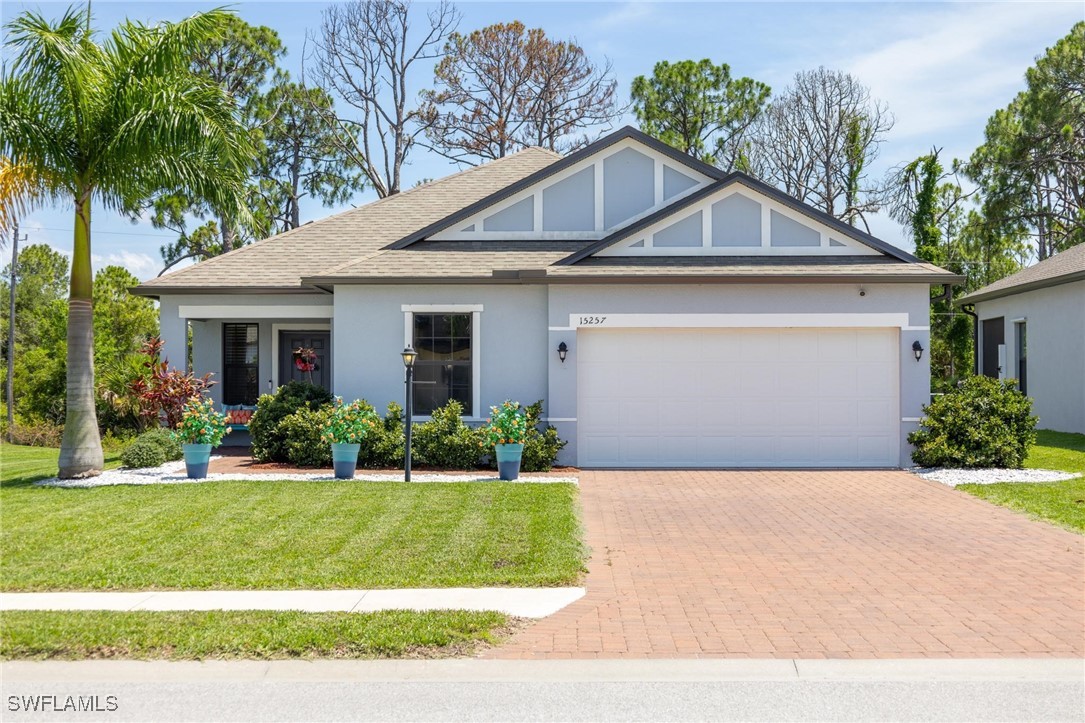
column 591, row 320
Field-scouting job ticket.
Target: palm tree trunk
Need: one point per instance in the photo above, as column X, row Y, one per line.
column 81, row 446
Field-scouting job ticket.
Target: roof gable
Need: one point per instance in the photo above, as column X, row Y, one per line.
column 609, row 184
column 738, row 216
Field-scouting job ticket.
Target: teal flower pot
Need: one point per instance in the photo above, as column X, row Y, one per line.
column 508, row 460
column 197, row 457
column 345, row 459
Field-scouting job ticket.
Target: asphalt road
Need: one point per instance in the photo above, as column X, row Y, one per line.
column 580, row 691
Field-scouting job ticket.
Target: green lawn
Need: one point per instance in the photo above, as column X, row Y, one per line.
column 20, row 464
column 1062, row 503
column 283, row 535
column 258, row 634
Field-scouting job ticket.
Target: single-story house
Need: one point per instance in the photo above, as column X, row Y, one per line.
column 669, row 314
column 1031, row 327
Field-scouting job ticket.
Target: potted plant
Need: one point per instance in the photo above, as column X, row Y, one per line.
column 200, row 429
column 347, row 427
column 505, row 431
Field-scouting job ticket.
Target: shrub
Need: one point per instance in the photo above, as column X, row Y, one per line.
column 268, row 444
column 445, row 441
column 30, row 432
column 540, row 448
column 151, row 449
column 984, row 423
column 386, row 448
column 143, row 454
column 301, row 433
column 352, row 423
column 163, row 392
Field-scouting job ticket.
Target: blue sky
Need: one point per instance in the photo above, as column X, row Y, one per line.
column 943, row 68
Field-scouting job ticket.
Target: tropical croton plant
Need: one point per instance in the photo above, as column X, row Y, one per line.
column 506, row 424
column 201, row 424
column 349, row 423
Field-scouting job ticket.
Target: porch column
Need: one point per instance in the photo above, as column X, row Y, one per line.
column 174, row 333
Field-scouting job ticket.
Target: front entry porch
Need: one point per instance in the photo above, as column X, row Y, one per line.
column 249, row 349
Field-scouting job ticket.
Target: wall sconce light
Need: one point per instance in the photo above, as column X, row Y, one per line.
column 563, row 350
column 917, row 349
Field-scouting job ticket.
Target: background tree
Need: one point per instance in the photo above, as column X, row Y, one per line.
column 303, row 154
column 365, row 54
column 239, row 58
column 505, row 87
column 1031, row 166
column 698, row 108
column 817, row 141
column 115, row 123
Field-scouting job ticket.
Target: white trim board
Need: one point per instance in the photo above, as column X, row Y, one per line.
column 599, row 320
column 260, row 311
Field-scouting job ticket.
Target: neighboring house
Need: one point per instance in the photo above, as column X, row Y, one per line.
column 707, row 319
column 1031, row 327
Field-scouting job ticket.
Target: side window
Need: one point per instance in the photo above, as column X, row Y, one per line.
column 240, row 346
column 1022, row 356
column 443, row 369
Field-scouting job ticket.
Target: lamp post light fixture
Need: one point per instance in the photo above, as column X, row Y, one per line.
column 409, row 355
column 563, row 349
column 917, row 349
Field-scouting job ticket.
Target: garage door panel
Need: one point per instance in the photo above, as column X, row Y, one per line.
column 738, row 397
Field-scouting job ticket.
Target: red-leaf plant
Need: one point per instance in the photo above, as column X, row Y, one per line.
column 163, row 392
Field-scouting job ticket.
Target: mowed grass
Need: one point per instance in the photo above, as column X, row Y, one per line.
column 19, row 464
column 250, row 634
column 1062, row 503
column 284, row 535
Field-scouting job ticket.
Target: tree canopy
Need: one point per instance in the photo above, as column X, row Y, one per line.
column 698, row 108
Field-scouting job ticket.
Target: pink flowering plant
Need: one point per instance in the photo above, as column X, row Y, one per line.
column 200, row 423
column 349, row 423
column 506, row 424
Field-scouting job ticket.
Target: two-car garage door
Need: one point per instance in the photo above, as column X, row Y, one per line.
column 738, row 397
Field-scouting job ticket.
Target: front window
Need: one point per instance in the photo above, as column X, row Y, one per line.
column 240, row 371
column 443, row 368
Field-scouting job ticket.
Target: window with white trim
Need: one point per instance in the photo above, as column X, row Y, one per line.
column 444, row 368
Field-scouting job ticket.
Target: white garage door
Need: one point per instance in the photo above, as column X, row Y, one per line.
column 738, row 397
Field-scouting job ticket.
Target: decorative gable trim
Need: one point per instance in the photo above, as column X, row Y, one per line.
column 465, row 224
column 658, row 234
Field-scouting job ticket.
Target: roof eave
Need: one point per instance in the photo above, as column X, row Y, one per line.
column 156, row 292
column 980, row 295
column 533, row 277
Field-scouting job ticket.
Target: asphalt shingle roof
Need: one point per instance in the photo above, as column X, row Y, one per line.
column 281, row 261
column 1063, row 267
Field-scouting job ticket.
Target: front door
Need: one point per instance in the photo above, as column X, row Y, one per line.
column 319, row 342
column 994, row 336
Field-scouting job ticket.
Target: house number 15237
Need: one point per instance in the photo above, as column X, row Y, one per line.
column 592, row 320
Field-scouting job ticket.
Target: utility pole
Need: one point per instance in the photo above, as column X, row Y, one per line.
column 11, row 332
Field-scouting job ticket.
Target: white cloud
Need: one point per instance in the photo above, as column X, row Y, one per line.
column 943, row 72
column 142, row 266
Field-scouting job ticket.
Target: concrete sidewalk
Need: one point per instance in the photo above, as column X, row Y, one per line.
column 519, row 602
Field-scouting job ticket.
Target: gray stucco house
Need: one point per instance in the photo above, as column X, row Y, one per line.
column 707, row 319
column 1031, row 327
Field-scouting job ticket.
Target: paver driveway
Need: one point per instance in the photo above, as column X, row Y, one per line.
column 812, row 564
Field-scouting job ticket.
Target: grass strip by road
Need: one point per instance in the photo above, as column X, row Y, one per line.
column 1062, row 503
column 281, row 535
column 248, row 634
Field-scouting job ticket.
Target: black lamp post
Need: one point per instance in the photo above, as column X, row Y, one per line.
column 409, row 355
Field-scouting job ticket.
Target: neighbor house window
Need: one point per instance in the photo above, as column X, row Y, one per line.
column 443, row 369
column 1022, row 357
column 240, row 345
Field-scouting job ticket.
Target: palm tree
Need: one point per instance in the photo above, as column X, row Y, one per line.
column 113, row 122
